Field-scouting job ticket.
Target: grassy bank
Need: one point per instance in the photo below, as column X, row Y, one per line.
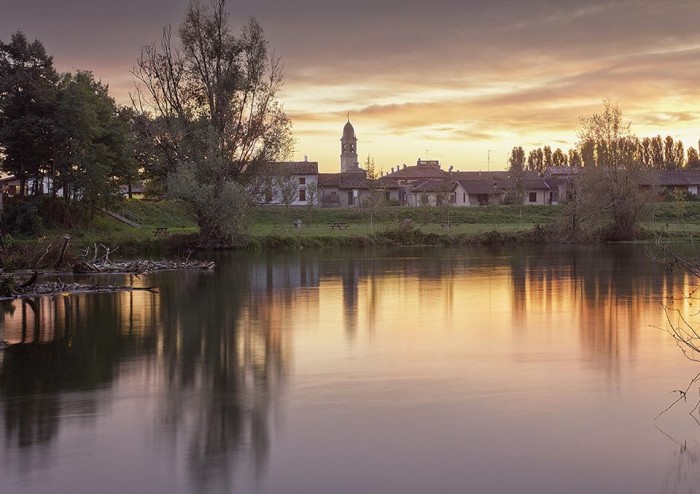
column 170, row 226
column 675, row 220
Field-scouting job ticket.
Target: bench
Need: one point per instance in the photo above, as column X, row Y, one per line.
column 160, row 231
column 448, row 225
column 339, row 225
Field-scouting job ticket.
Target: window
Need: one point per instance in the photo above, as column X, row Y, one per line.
column 350, row 198
column 302, row 195
column 302, row 180
column 532, row 197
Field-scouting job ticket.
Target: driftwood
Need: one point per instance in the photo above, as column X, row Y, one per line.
column 139, row 267
column 59, row 287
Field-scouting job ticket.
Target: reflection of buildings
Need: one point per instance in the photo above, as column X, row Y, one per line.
column 272, row 274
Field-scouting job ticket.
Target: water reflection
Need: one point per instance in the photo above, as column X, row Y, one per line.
column 214, row 350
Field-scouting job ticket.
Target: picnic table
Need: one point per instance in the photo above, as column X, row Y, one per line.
column 448, row 225
column 161, row 230
column 339, row 225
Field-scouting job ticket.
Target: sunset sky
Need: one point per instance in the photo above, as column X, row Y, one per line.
column 453, row 80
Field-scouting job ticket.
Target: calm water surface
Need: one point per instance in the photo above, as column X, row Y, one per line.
column 402, row 371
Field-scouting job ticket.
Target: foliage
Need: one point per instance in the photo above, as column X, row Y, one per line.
column 215, row 108
column 516, row 164
column 95, row 147
column 28, row 108
column 221, row 208
column 605, row 201
column 23, row 217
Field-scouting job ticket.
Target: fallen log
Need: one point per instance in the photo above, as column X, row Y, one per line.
column 60, row 288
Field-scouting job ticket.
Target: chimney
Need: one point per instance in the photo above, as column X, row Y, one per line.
column 404, row 165
column 392, row 169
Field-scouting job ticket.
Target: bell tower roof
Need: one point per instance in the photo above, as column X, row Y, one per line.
column 348, row 130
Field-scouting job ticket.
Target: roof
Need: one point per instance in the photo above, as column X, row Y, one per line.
column 328, row 179
column 416, row 173
column 480, row 186
column 537, row 183
column 482, row 175
column 674, row 178
column 294, row 167
column 354, row 180
column 348, row 130
column 435, row 185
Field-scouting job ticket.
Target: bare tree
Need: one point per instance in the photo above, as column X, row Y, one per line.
column 217, row 119
column 606, row 200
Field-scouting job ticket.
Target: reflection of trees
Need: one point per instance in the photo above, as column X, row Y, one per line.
column 59, row 345
column 224, row 354
column 604, row 289
column 222, row 351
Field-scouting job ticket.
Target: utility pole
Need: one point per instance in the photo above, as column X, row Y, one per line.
column 489, row 159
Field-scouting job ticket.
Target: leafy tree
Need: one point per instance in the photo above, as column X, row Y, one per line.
column 95, row 149
column 559, row 158
column 535, row 161
column 214, row 100
column 547, row 153
column 587, row 153
column 376, row 198
column 516, row 164
column 28, row 106
column 645, row 152
column 669, row 155
column 693, row 159
column 678, row 155
column 575, row 160
column 657, row 153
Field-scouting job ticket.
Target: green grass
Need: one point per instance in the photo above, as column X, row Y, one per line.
column 173, row 215
column 676, row 220
column 273, row 226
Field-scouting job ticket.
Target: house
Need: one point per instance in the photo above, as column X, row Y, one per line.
column 682, row 180
column 292, row 183
column 481, row 192
column 434, row 192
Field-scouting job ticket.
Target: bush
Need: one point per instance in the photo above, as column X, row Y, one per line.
column 23, row 217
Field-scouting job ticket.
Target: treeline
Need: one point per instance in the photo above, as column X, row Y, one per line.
column 655, row 153
column 204, row 124
column 61, row 134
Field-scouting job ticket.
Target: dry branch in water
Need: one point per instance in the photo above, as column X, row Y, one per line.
column 683, row 330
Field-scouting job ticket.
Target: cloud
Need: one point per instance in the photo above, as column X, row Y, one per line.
column 474, row 73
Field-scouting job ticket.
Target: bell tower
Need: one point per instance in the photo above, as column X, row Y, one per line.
column 348, row 149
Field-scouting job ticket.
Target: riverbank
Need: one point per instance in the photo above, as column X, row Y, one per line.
column 168, row 228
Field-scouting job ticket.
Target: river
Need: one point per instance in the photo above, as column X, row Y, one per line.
column 485, row 370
